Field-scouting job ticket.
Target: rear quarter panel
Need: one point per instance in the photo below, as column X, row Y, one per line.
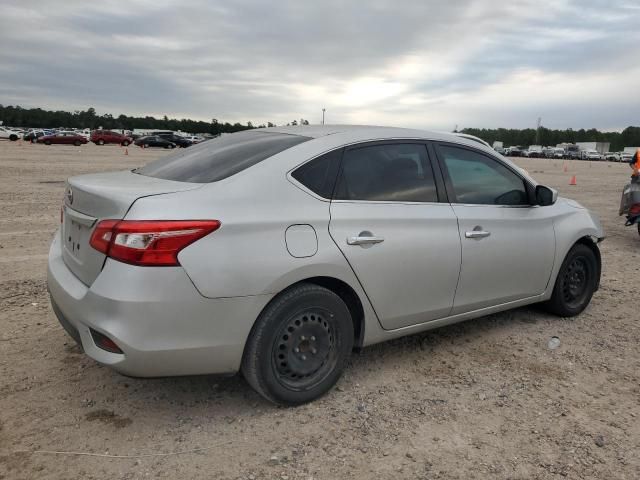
column 248, row 255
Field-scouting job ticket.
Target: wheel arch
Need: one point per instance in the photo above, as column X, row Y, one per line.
column 348, row 295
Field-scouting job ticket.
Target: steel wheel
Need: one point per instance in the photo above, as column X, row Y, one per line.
column 576, row 282
column 299, row 345
column 304, row 350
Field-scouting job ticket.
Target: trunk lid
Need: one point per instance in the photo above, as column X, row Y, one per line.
column 91, row 198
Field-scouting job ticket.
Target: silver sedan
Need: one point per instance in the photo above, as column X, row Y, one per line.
column 275, row 252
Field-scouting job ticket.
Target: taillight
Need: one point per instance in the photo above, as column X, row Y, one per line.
column 148, row 242
column 635, row 209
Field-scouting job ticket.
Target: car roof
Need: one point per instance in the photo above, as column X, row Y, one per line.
column 365, row 132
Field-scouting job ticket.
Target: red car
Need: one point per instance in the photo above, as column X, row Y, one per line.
column 69, row 138
column 100, row 137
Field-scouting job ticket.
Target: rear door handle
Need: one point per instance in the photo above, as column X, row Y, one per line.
column 477, row 234
column 364, row 240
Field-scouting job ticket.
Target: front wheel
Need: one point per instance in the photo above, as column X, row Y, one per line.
column 77, row 143
column 577, row 280
column 299, row 345
column 13, row 138
column 47, row 142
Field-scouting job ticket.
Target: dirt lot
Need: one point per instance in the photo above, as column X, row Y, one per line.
column 482, row 399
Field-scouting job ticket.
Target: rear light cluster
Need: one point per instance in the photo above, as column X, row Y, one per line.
column 148, row 242
column 635, row 209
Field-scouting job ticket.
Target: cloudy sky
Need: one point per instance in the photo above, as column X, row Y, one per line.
column 424, row 63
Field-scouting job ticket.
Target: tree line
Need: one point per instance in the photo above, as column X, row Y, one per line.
column 39, row 118
column 629, row 137
column 17, row 116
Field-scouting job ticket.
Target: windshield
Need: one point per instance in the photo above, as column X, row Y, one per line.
column 220, row 157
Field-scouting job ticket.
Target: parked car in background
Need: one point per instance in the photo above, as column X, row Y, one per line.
column 33, row 134
column 500, row 150
column 555, row 152
column 194, row 139
column 262, row 252
column 182, row 142
column 63, row 138
column 574, row 155
column 514, row 152
column 9, row 134
column 612, row 156
column 102, row 137
column 154, row 141
column 625, row 157
column 591, row 155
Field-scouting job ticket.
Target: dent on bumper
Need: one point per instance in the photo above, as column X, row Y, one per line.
column 156, row 316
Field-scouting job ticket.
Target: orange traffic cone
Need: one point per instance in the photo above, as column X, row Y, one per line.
column 126, row 151
column 573, row 181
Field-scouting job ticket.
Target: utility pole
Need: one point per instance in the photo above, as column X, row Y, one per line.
column 323, row 116
column 538, row 130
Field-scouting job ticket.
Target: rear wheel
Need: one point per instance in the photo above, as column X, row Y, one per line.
column 77, row 143
column 299, row 345
column 47, row 142
column 145, row 145
column 100, row 142
column 13, row 138
column 125, row 143
column 576, row 282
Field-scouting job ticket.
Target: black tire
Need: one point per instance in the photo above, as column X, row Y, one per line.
column 77, row 143
column 100, row 142
column 125, row 143
column 638, row 228
column 577, row 279
column 145, row 145
column 47, row 142
column 299, row 345
column 13, row 138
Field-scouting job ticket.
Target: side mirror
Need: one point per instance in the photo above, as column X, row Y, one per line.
column 545, row 196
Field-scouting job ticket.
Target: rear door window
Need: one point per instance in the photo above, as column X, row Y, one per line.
column 220, row 157
column 391, row 173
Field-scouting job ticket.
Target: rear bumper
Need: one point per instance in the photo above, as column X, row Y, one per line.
column 155, row 315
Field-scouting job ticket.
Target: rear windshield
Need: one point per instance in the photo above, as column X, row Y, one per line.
column 220, row 157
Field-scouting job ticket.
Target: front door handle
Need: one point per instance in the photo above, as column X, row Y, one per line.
column 477, row 234
column 364, row 239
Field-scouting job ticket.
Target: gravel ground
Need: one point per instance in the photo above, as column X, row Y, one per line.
column 481, row 399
